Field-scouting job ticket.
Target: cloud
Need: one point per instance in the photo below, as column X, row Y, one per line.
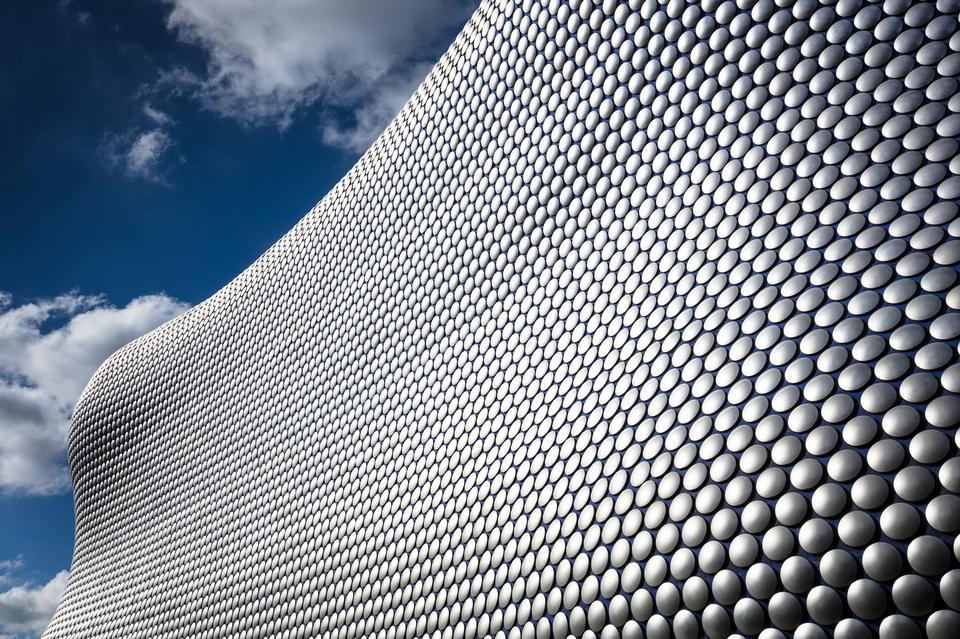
column 143, row 152
column 157, row 116
column 143, row 157
column 268, row 60
column 9, row 566
column 140, row 154
column 65, row 7
column 375, row 113
column 48, row 351
column 26, row 611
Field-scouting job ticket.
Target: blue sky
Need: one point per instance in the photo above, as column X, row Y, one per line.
column 152, row 150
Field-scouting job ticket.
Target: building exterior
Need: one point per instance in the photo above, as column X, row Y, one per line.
column 640, row 320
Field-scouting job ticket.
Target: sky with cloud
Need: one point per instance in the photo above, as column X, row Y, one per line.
column 153, row 149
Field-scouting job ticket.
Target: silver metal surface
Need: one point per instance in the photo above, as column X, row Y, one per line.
column 640, row 320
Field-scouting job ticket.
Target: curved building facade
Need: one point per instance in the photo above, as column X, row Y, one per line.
column 641, row 319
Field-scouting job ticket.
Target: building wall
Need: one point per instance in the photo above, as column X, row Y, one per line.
column 640, row 319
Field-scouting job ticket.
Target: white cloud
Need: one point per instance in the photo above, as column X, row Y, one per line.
column 267, row 60
column 8, row 566
column 26, row 611
column 156, row 115
column 140, row 153
column 143, row 156
column 143, row 152
column 375, row 113
column 43, row 370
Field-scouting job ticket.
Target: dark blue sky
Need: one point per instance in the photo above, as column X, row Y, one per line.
column 72, row 220
column 76, row 79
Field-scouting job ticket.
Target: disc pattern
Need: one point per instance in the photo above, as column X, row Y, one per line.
column 640, row 320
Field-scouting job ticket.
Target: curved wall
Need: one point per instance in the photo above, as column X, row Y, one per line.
column 640, row 319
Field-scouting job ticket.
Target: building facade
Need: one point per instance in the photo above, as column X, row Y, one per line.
column 639, row 320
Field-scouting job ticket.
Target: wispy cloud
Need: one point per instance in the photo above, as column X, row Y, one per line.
column 65, row 7
column 268, row 61
column 372, row 115
column 8, row 567
column 48, row 351
column 26, row 610
column 143, row 157
column 143, row 153
column 157, row 116
column 140, row 154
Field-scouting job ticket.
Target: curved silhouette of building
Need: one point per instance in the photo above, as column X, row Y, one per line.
column 639, row 320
